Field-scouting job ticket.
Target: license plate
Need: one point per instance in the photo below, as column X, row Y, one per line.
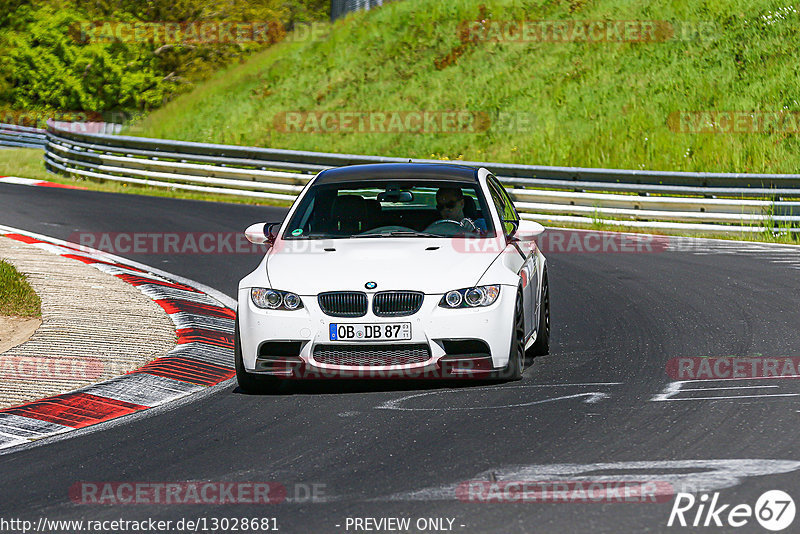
column 370, row 332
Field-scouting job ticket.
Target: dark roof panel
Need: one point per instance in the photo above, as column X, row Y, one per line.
column 398, row 171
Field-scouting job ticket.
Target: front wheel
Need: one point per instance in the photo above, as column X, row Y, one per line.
column 516, row 356
column 542, row 344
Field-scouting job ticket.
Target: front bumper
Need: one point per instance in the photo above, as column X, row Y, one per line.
column 458, row 343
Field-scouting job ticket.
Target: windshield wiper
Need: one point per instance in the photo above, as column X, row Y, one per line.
column 397, row 233
column 319, row 235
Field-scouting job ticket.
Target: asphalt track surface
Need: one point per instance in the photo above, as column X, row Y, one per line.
column 393, row 449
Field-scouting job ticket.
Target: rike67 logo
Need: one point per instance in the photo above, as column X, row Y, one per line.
column 774, row 510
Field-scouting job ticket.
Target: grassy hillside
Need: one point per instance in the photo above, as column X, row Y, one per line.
column 75, row 58
column 585, row 104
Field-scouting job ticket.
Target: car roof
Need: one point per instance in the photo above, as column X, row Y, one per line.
column 397, row 171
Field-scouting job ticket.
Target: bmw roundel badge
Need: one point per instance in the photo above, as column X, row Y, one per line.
column 371, row 285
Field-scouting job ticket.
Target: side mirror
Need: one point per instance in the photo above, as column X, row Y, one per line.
column 528, row 230
column 261, row 233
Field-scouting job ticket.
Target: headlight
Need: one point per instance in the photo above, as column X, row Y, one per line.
column 291, row 301
column 471, row 297
column 272, row 299
column 453, row 299
column 474, row 296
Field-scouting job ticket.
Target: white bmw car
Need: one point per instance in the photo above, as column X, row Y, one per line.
column 394, row 271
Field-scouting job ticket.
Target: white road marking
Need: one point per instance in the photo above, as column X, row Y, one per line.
column 19, row 181
column 732, row 387
column 779, row 254
column 7, row 442
column 737, row 397
column 393, row 405
column 707, row 475
column 16, row 429
column 591, row 398
column 674, row 388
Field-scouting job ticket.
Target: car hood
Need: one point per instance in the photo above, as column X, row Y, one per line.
column 433, row 266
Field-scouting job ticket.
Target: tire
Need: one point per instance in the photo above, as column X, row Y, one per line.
column 542, row 344
column 247, row 382
column 516, row 356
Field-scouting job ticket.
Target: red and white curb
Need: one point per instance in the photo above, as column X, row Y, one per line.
column 202, row 358
column 30, row 181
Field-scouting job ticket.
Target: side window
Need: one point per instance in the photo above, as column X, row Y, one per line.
column 497, row 199
column 505, row 207
column 511, row 210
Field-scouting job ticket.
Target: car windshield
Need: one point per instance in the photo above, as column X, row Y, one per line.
column 396, row 208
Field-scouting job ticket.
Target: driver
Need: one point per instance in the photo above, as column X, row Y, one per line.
column 450, row 203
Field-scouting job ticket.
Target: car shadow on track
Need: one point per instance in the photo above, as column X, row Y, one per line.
column 348, row 386
column 327, row 386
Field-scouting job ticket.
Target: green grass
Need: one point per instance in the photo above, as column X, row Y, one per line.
column 17, row 298
column 23, row 162
column 587, row 104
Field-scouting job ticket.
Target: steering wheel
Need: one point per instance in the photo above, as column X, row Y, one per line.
column 443, row 221
column 447, row 226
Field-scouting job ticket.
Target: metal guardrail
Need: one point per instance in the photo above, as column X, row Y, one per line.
column 690, row 202
column 340, row 8
column 12, row 135
column 22, row 136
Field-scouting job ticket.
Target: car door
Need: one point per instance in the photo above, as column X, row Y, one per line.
column 523, row 250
